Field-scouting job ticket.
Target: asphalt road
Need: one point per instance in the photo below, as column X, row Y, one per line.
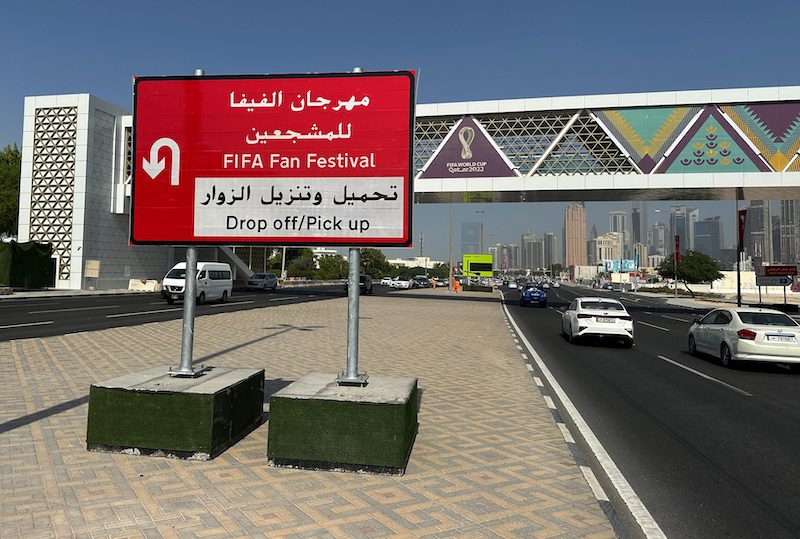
column 712, row 452
column 56, row 315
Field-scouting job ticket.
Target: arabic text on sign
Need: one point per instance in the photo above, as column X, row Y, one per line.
column 300, row 103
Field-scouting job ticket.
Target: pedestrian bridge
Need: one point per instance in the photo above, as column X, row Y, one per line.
column 684, row 145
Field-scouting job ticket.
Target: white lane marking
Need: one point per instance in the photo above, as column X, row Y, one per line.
column 529, row 366
column 707, row 377
column 519, row 347
column 675, row 318
column 524, row 357
column 566, row 433
column 144, row 312
column 516, row 341
column 245, row 296
column 550, row 403
column 538, row 381
column 74, row 309
column 26, row 324
column 312, row 296
column 648, row 313
column 652, row 325
column 594, row 484
column 639, row 511
column 228, row 304
column 284, row 299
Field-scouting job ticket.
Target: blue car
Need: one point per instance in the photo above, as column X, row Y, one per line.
column 532, row 295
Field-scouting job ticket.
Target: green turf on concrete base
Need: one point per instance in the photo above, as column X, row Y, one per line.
column 314, row 423
column 149, row 412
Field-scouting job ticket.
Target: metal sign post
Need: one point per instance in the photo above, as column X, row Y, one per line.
column 351, row 377
column 189, row 308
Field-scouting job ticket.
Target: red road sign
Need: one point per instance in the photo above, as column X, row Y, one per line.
column 779, row 271
column 285, row 159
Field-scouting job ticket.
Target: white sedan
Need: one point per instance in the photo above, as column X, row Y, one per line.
column 597, row 317
column 405, row 283
column 747, row 334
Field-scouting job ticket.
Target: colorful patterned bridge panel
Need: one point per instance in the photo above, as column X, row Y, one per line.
column 647, row 133
column 774, row 128
column 712, row 145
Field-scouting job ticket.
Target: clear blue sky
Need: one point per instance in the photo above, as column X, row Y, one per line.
column 466, row 50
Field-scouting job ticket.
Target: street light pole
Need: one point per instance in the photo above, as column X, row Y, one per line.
column 480, row 242
column 450, row 247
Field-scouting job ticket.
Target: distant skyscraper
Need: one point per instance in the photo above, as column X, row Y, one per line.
column 505, row 257
column 657, row 239
column 470, row 238
column 532, row 252
column 609, row 246
column 591, row 247
column 640, row 254
column 550, row 250
column 618, row 222
column 575, row 235
column 708, row 237
column 776, row 239
column 681, row 223
column 790, row 231
column 758, row 231
column 639, row 222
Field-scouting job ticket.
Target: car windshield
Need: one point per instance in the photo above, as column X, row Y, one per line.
column 177, row 273
column 259, row 276
column 602, row 306
column 766, row 319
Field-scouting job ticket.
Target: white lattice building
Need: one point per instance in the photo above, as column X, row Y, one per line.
column 75, row 172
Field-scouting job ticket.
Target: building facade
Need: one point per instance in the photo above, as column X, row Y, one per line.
column 73, row 192
column 575, row 235
column 708, row 237
column 550, row 250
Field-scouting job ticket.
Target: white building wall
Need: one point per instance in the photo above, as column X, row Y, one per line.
column 85, row 227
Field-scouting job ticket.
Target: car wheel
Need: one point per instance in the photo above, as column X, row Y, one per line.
column 794, row 367
column 224, row 296
column 627, row 343
column 544, row 305
column 692, row 345
column 201, row 299
column 725, row 356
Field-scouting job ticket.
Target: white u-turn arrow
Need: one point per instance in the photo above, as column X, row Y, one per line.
column 153, row 167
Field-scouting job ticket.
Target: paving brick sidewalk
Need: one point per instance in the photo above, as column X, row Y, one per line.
column 488, row 461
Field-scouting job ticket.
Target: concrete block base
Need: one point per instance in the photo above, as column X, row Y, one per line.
column 316, row 424
column 152, row 413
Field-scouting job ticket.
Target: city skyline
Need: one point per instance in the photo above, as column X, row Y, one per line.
column 691, row 220
column 506, row 227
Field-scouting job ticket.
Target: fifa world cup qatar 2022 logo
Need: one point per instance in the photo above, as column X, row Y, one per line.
column 466, row 135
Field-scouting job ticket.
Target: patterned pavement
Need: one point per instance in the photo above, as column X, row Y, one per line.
column 488, row 461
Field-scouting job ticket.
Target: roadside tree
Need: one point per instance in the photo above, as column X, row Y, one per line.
column 10, row 166
column 695, row 267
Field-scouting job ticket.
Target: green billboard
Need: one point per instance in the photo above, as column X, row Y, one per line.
column 477, row 265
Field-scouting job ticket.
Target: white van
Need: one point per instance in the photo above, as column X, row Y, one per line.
column 214, row 281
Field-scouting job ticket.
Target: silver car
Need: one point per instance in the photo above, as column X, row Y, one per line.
column 263, row 281
column 747, row 334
